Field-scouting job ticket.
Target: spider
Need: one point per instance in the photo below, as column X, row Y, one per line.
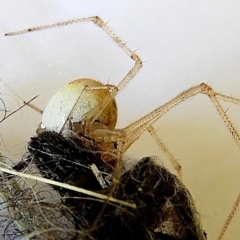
column 85, row 112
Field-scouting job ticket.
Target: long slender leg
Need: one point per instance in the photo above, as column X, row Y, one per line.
column 237, row 202
column 92, row 115
column 134, row 130
column 229, row 218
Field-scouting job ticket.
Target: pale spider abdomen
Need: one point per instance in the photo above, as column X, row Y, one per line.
column 76, row 99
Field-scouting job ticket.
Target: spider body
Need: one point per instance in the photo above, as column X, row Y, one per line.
column 78, row 143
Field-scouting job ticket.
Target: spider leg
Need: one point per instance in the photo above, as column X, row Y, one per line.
column 134, row 130
column 91, row 116
column 229, row 218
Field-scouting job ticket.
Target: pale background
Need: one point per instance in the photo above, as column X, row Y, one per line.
column 182, row 43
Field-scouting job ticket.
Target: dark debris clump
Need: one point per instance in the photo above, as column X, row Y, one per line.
column 165, row 209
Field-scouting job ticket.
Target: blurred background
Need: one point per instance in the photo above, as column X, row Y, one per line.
column 181, row 44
